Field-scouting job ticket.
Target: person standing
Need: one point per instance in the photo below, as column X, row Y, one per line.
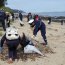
column 7, row 19
column 20, row 16
column 29, row 17
column 2, row 19
column 20, row 19
column 12, row 39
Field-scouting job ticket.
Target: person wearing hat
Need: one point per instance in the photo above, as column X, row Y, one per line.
column 39, row 25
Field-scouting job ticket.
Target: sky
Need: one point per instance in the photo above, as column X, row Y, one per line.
column 37, row 5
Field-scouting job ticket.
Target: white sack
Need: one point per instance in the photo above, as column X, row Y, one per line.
column 31, row 49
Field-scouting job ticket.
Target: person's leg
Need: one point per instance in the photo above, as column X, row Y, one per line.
column 12, row 46
column 10, row 52
column 10, row 60
column 44, row 37
column 14, row 53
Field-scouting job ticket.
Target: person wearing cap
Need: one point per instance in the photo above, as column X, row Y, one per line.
column 39, row 25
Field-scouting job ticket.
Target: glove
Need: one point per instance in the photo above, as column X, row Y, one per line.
column 1, row 49
column 34, row 37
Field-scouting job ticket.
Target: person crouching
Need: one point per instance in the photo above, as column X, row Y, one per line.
column 12, row 39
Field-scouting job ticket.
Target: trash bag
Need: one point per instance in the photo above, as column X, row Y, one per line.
column 31, row 49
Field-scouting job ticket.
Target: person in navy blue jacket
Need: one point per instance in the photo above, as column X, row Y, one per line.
column 2, row 19
column 12, row 39
column 39, row 25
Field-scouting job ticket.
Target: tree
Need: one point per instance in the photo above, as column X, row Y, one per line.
column 2, row 2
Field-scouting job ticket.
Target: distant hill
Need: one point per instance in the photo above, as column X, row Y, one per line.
column 17, row 11
column 52, row 14
column 11, row 10
column 6, row 9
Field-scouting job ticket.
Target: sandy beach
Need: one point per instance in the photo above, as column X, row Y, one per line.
column 56, row 41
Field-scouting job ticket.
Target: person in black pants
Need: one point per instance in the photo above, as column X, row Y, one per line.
column 29, row 16
column 12, row 47
column 12, row 39
column 39, row 25
column 20, row 16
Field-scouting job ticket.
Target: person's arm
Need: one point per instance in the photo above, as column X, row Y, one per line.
column 1, row 43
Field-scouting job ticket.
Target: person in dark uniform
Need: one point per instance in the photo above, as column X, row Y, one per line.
column 12, row 16
column 21, row 19
column 29, row 17
column 2, row 19
column 20, row 16
column 12, row 39
column 39, row 25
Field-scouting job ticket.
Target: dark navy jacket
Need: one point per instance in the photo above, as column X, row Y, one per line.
column 23, row 41
column 39, row 25
column 2, row 15
column 9, row 42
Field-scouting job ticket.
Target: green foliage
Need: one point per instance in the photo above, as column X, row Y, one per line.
column 2, row 6
column 7, row 9
column 2, row 2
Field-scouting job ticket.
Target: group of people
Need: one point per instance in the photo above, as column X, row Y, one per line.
column 5, row 18
column 36, row 23
column 13, row 39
